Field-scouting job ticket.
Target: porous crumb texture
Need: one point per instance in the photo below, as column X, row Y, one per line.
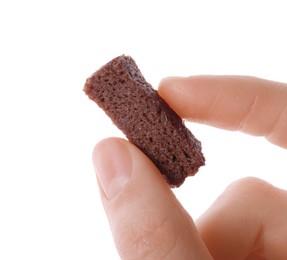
column 144, row 117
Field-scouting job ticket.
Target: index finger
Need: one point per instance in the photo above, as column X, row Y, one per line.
column 248, row 104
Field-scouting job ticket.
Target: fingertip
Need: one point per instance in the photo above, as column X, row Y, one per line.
column 113, row 166
column 171, row 89
column 168, row 85
column 190, row 97
column 167, row 81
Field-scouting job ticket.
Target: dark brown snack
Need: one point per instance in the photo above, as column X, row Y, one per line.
column 144, row 117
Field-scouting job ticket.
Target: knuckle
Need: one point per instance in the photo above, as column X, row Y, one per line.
column 248, row 184
column 277, row 133
column 251, row 190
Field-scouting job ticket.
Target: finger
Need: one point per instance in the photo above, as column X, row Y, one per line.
column 248, row 104
column 145, row 218
column 248, row 221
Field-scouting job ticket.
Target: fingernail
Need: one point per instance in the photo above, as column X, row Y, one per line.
column 113, row 166
column 168, row 79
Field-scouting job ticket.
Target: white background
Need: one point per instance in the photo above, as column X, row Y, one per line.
column 49, row 202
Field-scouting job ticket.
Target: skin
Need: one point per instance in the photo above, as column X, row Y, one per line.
column 247, row 221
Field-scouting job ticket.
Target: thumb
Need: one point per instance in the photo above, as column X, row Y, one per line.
column 145, row 218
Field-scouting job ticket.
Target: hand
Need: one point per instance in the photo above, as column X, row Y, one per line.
column 248, row 221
